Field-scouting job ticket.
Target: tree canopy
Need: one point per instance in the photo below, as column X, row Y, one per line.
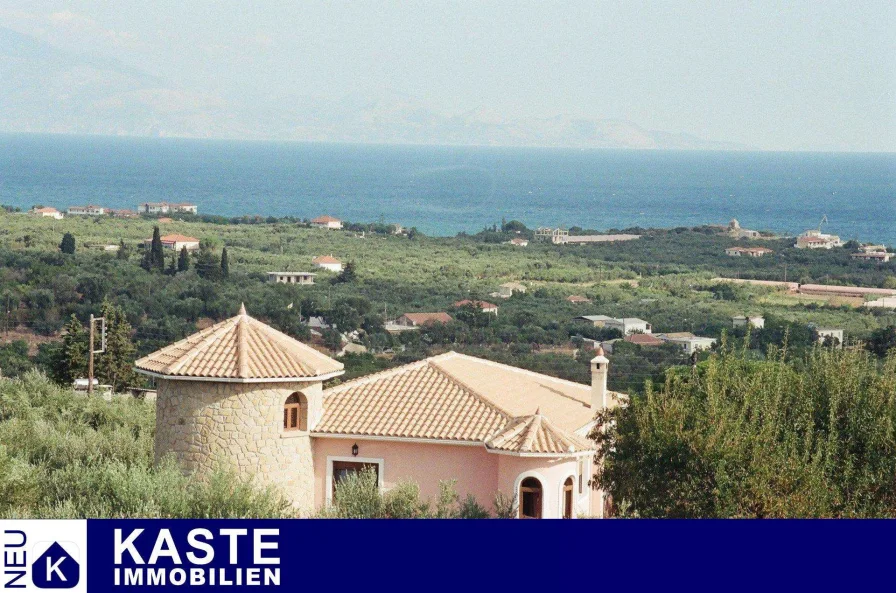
column 735, row 437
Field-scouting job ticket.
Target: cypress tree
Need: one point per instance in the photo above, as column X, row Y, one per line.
column 157, row 253
column 115, row 366
column 225, row 264
column 123, row 252
column 71, row 359
column 68, row 243
column 183, row 260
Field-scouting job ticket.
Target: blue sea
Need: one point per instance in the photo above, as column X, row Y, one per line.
column 445, row 190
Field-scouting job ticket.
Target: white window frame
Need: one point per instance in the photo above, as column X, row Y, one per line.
column 379, row 461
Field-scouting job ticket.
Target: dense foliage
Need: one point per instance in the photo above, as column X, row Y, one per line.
column 665, row 277
column 64, row 455
column 736, row 437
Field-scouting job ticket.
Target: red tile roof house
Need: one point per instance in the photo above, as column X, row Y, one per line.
column 327, row 262
column 576, row 299
column 484, row 306
column 326, row 222
column 644, row 340
column 176, row 242
column 423, row 319
column 48, row 212
column 240, row 395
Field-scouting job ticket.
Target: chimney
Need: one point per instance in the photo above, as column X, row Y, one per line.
column 599, row 396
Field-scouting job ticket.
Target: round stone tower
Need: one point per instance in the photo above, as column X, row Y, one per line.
column 241, row 396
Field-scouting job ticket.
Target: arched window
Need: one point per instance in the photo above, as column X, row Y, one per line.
column 530, row 499
column 567, row 498
column 295, row 412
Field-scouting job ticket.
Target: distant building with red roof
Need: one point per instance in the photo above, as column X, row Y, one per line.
column 326, row 222
column 327, row 262
column 423, row 319
column 48, row 212
column 644, row 340
column 484, row 306
column 176, row 242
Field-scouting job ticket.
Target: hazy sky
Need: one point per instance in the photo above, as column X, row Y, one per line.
column 787, row 75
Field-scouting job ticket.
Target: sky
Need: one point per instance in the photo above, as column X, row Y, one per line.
column 787, row 75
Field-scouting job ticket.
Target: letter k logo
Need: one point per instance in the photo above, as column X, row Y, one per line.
column 55, row 569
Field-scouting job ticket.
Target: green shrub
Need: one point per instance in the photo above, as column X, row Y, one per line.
column 736, row 437
column 66, row 455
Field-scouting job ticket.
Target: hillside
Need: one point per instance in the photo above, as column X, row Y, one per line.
column 48, row 90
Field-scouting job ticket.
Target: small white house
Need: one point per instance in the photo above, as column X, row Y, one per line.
column 830, row 332
column 484, row 306
column 166, row 208
column 755, row 321
column 326, row 222
column 175, row 242
column 747, row 251
column 882, row 303
column 815, row 239
column 508, row 289
column 89, row 210
column 291, row 277
column 878, row 256
column 48, row 212
column 629, row 325
column 328, row 262
column 593, row 320
column 688, row 341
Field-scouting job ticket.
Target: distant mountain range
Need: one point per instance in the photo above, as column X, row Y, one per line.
column 47, row 90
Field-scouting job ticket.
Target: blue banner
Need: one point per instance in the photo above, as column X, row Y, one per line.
column 433, row 555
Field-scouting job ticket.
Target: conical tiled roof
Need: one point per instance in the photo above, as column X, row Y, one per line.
column 239, row 349
column 535, row 434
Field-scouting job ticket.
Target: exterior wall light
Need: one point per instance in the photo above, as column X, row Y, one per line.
column 355, row 450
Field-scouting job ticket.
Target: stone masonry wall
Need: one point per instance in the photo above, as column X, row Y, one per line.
column 237, row 426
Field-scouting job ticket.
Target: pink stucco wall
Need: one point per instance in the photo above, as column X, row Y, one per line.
column 477, row 471
column 426, row 464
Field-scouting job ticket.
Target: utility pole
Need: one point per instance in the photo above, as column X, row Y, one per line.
column 93, row 349
column 90, row 361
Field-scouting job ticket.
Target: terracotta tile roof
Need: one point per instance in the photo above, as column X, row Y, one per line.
column 175, row 239
column 240, row 348
column 535, row 434
column 427, row 318
column 574, row 298
column 644, row 339
column 455, row 397
column 415, row 401
column 324, row 219
column 46, row 210
column 478, row 304
column 325, row 259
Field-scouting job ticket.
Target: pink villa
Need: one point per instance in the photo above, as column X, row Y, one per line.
column 243, row 395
